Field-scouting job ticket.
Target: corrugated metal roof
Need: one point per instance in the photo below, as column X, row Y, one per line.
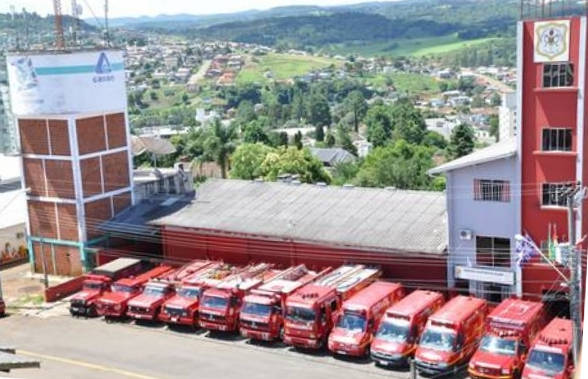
column 368, row 218
column 491, row 153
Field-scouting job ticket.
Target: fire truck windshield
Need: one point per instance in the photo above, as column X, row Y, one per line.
column 215, row 302
column 121, row 288
column 256, row 309
column 92, row 286
column 438, row 339
column 298, row 314
column 394, row 330
column 548, row 361
column 352, row 322
column 189, row 292
column 497, row 345
column 154, row 290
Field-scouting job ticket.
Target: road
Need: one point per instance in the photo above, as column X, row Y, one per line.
column 194, row 79
column 92, row 348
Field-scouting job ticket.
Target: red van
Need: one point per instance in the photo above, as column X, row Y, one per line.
column 400, row 329
column 451, row 336
column 551, row 353
column 360, row 317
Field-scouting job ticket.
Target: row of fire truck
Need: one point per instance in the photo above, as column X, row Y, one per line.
column 346, row 310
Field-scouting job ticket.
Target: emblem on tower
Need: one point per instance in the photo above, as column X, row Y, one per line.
column 552, row 41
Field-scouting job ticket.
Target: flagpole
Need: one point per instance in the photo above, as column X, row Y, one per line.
column 549, row 261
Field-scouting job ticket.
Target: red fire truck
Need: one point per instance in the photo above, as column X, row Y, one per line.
column 550, row 355
column 113, row 303
column 510, row 329
column 400, row 329
column 83, row 303
column 311, row 310
column 262, row 315
column 147, row 305
column 360, row 317
column 221, row 303
column 182, row 308
column 451, row 336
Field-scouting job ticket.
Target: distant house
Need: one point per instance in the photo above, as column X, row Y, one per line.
column 330, row 157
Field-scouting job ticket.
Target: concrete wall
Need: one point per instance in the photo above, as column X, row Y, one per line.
column 483, row 218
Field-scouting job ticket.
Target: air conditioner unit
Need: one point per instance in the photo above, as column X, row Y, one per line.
column 465, row 234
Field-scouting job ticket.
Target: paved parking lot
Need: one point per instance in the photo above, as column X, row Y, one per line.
column 92, row 348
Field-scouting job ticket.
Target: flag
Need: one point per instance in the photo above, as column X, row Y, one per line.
column 525, row 249
column 552, row 244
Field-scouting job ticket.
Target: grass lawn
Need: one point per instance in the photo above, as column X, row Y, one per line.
column 407, row 47
column 282, row 66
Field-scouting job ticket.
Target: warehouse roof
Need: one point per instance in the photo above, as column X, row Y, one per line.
column 364, row 218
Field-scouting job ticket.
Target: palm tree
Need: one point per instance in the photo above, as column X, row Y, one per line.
column 219, row 144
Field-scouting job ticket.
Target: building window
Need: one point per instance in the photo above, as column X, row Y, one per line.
column 553, row 194
column 492, row 251
column 558, row 75
column 557, row 139
column 491, row 190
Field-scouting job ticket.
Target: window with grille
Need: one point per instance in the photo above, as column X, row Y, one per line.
column 491, row 190
column 558, row 75
column 553, row 194
column 492, row 251
column 557, row 139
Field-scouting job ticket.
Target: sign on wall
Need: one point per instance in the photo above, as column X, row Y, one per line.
column 488, row 275
column 83, row 82
column 552, row 41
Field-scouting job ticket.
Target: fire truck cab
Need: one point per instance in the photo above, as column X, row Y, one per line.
column 262, row 314
column 221, row 303
column 113, row 303
column 147, row 305
column 311, row 310
column 451, row 336
column 397, row 337
column 510, row 328
column 182, row 308
column 360, row 317
column 98, row 281
column 550, row 355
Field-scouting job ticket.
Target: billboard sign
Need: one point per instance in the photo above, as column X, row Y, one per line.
column 485, row 274
column 81, row 82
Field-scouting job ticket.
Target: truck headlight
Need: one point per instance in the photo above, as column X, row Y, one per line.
column 505, row 371
column 442, row 365
column 117, row 307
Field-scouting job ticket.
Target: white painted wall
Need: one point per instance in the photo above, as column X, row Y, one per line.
column 483, row 218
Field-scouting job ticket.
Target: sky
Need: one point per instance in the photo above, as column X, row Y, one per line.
column 135, row 8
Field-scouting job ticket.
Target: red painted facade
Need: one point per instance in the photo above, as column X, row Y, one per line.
column 413, row 270
column 543, row 108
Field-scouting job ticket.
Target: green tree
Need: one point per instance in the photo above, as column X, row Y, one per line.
column 379, row 125
column 219, row 144
column 494, row 126
column 247, row 159
column 434, row 139
column 355, row 103
column 400, row 164
column 496, row 100
column 319, row 112
column 345, row 172
column 344, row 140
column 477, row 102
column 294, row 161
column 298, row 140
column 153, row 96
column 246, row 112
column 319, row 133
column 253, row 132
column 330, row 140
column 461, row 142
column 408, row 122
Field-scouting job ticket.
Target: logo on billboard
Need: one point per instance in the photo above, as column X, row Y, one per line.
column 26, row 76
column 103, row 69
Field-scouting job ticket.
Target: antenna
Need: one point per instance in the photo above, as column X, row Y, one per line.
column 59, row 40
column 106, row 32
column 26, row 25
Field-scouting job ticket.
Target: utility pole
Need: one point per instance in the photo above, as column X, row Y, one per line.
column 106, row 32
column 575, row 271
